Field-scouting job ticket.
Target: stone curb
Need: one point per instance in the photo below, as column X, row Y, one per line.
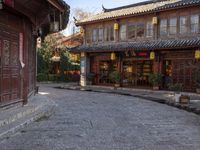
column 45, row 110
column 153, row 99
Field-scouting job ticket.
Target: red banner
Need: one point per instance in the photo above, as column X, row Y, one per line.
column 9, row 3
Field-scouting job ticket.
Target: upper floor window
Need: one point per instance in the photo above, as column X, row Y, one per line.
column 109, row 33
column 149, row 29
column 194, row 23
column 140, row 30
column 88, row 36
column 122, row 32
column 131, row 31
column 163, row 27
column 100, row 39
column 95, row 35
column 183, row 24
column 172, row 26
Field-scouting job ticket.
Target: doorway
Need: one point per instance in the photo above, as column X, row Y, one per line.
column 136, row 73
column 105, row 68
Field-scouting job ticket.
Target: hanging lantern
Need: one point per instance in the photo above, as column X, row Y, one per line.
column 154, row 20
column 113, row 56
column 116, row 26
column 152, row 55
column 82, row 30
column 197, row 54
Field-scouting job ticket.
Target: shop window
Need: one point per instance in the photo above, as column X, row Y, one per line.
column 100, row 35
column 194, row 23
column 109, row 33
column 163, row 27
column 122, row 32
column 172, row 26
column 94, row 35
column 149, row 29
column 183, row 24
column 140, row 30
column 131, row 31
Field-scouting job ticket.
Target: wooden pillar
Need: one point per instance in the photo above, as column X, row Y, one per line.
column 83, row 76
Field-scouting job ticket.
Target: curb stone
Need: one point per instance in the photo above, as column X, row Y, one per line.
column 45, row 110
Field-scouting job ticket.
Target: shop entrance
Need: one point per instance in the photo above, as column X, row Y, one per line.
column 105, row 68
column 136, row 73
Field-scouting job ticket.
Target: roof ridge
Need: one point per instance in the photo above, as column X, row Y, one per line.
column 134, row 5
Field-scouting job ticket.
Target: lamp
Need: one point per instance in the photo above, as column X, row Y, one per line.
column 113, row 56
column 154, row 20
column 152, row 55
column 116, row 26
column 197, row 54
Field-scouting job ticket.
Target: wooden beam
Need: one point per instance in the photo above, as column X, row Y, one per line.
column 56, row 5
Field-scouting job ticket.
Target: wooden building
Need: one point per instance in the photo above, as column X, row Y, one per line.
column 158, row 36
column 21, row 22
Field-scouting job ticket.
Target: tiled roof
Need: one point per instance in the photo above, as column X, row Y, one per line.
column 148, row 45
column 139, row 8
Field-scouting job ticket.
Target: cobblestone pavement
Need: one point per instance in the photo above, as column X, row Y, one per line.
column 98, row 121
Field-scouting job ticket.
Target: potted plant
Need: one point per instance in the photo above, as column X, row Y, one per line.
column 197, row 83
column 155, row 79
column 90, row 78
column 115, row 78
column 177, row 88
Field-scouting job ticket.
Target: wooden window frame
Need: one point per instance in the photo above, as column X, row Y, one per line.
column 100, row 37
column 140, row 23
column 184, row 25
column 198, row 30
column 108, row 34
column 124, row 32
column 151, row 29
column 96, row 40
column 163, row 27
column 173, row 26
column 88, row 36
column 129, row 32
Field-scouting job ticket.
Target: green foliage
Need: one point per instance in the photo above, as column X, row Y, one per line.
column 52, row 77
column 45, row 63
column 115, row 77
column 155, row 79
column 42, row 77
column 197, row 80
column 44, row 58
column 177, row 87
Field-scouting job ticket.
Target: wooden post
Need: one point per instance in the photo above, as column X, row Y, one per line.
column 25, row 69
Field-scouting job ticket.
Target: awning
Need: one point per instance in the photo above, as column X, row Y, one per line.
column 137, row 46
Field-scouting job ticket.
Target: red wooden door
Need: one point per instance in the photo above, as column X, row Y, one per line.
column 184, row 72
column 10, row 83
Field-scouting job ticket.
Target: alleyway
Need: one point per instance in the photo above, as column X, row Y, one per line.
column 98, row 121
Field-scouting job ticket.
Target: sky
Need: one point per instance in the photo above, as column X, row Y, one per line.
column 95, row 6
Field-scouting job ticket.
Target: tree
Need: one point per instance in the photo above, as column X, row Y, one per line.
column 78, row 14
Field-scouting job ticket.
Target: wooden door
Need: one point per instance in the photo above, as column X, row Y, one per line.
column 10, row 81
column 184, row 72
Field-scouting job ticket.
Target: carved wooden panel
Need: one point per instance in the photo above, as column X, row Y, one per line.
column 6, row 52
column 9, row 66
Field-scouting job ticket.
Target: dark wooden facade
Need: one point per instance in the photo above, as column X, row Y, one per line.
column 169, row 28
column 18, row 32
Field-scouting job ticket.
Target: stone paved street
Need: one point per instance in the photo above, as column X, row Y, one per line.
column 98, row 121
